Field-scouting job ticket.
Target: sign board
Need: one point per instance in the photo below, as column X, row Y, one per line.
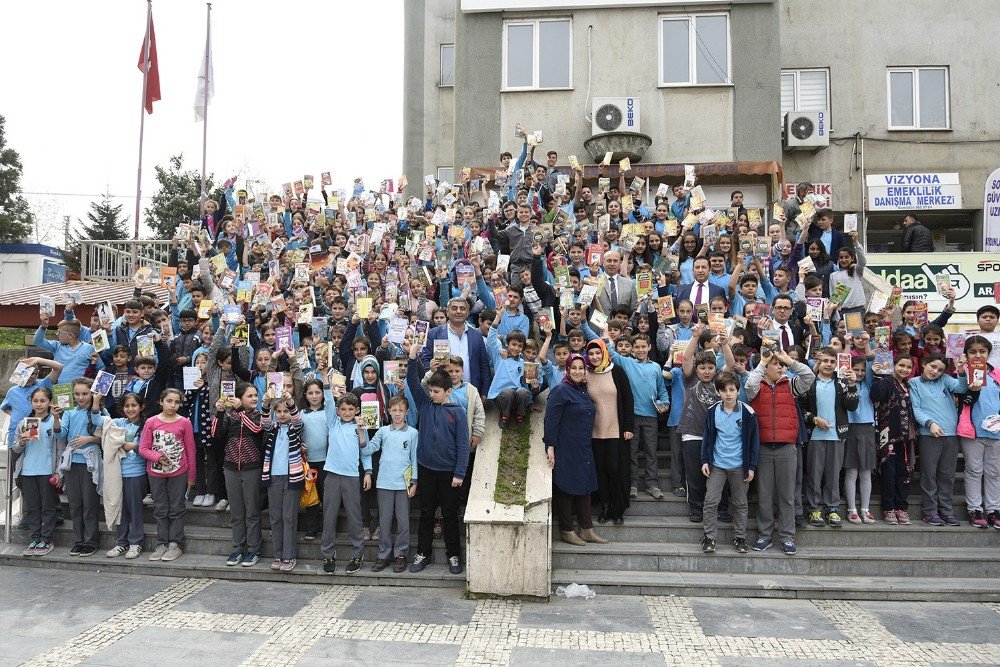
column 973, row 275
column 913, row 192
column 991, row 213
column 822, row 189
column 53, row 272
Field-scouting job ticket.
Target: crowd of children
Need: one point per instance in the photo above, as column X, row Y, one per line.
column 318, row 355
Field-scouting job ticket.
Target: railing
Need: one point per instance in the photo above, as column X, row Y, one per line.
column 117, row 261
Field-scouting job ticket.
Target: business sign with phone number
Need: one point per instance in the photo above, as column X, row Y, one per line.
column 973, row 275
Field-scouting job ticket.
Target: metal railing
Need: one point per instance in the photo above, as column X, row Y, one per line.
column 117, row 261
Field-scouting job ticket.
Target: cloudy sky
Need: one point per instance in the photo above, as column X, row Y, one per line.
column 300, row 87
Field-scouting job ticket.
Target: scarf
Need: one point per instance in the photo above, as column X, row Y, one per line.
column 567, row 379
column 605, row 365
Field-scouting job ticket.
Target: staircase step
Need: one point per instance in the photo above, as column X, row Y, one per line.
column 671, row 505
column 628, row 582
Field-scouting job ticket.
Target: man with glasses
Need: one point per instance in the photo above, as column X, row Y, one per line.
column 464, row 341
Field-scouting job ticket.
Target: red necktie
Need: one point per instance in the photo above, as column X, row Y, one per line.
column 697, row 298
column 786, row 339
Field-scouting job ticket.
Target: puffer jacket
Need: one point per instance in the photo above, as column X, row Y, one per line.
column 243, row 434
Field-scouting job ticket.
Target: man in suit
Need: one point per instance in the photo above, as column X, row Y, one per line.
column 790, row 332
column 701, row 291
column 464, row 341
column 618, row 290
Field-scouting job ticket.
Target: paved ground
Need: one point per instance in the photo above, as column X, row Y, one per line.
column 58, row 617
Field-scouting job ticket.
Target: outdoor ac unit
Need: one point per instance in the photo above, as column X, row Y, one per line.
column 807, row 129
column 615, row 114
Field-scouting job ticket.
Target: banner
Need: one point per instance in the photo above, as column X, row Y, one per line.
column 972, row 277
column 824, row 190
column 913, row 192
column 991, row 213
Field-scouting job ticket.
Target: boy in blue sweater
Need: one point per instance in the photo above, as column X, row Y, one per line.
column 442, row 460
column 729, row 452
column 507, row 388
column 73, row 354
column 396, row 484
column 651, row 399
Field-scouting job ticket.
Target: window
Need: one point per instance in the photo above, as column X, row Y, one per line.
column 804, row 90
column 918, row 98
column 694, row 50
column 446, row 174
column 447, row 77
column 537, row 54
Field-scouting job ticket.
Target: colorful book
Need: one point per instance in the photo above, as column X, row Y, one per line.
column 884, row 359
column 31, row 426
column 145, row 347
column 975, row 370
column 882, row 335
column 22, row 373
column 390, row 372
column 954, row 345
column 338, row 384
column 283, row 338
column 205, row 309
column 62, row 395
column 420, row 329
column 814, row 309
column 442, row 350
column 840, row 293
column 99, row 339
column 843, row 364
column 855, row 323
column 920, row 313
column 397, row 330
column 530, row 371
column 370, row 415
column 227, row 389
column 103, row 382
column 665, row 309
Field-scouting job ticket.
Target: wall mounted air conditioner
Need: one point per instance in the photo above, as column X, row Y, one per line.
column 615, row 114
column 806, row 129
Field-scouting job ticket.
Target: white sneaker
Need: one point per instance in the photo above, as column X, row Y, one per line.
column 209, row 500
column 115, row 551
column 173, row 552
column 148, row 500
column 133, row 551
column 158, row 552
column 198, row 501
column 222, row 505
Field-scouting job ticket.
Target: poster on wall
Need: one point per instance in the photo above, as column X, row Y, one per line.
column 991, row 213
column 973, row 275
column 53, row 272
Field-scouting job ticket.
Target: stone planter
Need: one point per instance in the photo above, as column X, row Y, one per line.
column 631, row 145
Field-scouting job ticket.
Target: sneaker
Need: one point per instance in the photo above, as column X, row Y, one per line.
column 276, row 564
column 87, row 551
column 740, row 545
column 75, row 551
column 222, row 505
column 288, row 565
column 208, row 501
column 800, row 522
column 854, row 517
column 890, row 518
column 680, row 491
column 816, row 519
column 695, row 517
column 148, row 500
column 30, row 549
column 866, row 517
column 933, row 519
column 310, row 536
column 174, row 552
column 198, row 501
column 399, row 564
column 950, row 520
column 42, row 548
column 250, row 559
column 353, row 565
column 993, row 518
column 633, row 492
column 380, row 564
column 134, row 551
column 503, row 422
column 834, row 521
column 367, row 535
column 420, row 561
column 329, row 565
column 115, row 551
column 976, row 518
column 762, row 544
column 455, row 565
column 158, row 552
column 902, row 518
column 377, row 534
column 788, row 548
column 234, row 559
column 707, row 545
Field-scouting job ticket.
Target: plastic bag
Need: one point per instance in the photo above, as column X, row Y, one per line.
column 310, row 494
column 576, row 591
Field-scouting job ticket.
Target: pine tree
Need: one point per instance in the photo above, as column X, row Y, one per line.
column 16, row 219
column 178, row 198
column 106, row 224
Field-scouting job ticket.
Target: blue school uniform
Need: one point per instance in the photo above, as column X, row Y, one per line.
column 399, row 452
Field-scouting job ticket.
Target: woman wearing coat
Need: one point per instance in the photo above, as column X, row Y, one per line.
column 569, row 423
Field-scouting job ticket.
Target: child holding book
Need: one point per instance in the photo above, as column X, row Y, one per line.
column 860, row 445
column 315, row 437
column 465, row 395
column 373, row 396
column 38, row 442
column 198, row 408
column 507, row 387
column 980, row 443
column 83, row 468
column 896, row 429
column 167, row 444
column 396, row 483
column 124, row 509
column 283, row 476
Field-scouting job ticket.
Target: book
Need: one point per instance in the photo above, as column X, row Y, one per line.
column 102, row 383
column 561, row 274
column 166, row 444
column 231, row 313
column 191, row 375
column 677, row 352
column 278, row 303
column 390, row 372
column 420, row 329
column 895, row 297
column 397, row 330
column 884, row 360
column 920, row 313
column 625, row 164
column 599, row 320
column 850, row 222
column 364, row 305
column 840, row 293
column 878, row 301
column 566, row 298
column 814, row 309
column 665, row 309
column 338, row 384
column 943, row 281
column 168, row 277
column 544, row 317
column 283, row 338
column 22, row 374
column 275, row 385
column 62, row 395
column 594, row 253
column 530, row 371
column 47, row 306
column 227, row 389
column 241, row 335
column 717, row 323
column 954, row 345
column 205, row 309
column 770, row 340
column 975, row 370
column 370, row 415
column 145, row 347
column 106, row 313
column 855, row 323
column 882, row 335
column 142, row 274
column 31, row 425
column 843, row 364
column 99, row 339
column 465, row 274
column 644, row 282
column 442, row 350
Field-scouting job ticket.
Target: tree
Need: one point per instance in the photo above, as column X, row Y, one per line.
column 106, row 224
column 16, row 219
column 178, row 198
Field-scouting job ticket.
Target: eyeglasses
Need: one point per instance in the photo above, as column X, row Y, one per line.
column 782, row 308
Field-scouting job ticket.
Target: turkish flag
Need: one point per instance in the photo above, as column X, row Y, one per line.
column 152, row 93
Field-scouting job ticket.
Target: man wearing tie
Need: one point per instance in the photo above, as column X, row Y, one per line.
column 700, row 292
column 789, row 333
column 618, row 290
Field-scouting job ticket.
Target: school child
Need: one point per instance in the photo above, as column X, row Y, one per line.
column 257, row 376
column 39, row 447
column 315, row 437
column 937, row 445
column 124, row 476
column 507, row 387
column 465, row 395
column 553, row 373
column 895, row 426
column 511, row 317
column 651, row 400
column 198, row 408
column 825, row 406
column 442, row 458
column 370, row 389
column 860, row 446
column 131, row 329
column 68, row 350
column 167, row 444
column 83, row 468
column 183, row 345
column 152, row 376
column 729, row 452
column 980, row 442
column 355, row 346
column 283, row 476
column 238, row 425
column 987, row 318
column 17, row 402
column 673, row 379
column 396, row 484
column 342, row 482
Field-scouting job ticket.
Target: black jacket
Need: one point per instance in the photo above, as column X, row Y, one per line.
column 845, row 401
column 918, row 238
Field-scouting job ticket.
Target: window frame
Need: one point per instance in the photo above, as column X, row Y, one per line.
column 437, row 173
column 441, row 83
column 693, row 51
column 536, row 61
column 914, row 71
column 796, row 71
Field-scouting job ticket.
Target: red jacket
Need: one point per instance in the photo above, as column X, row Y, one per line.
column 777, row 412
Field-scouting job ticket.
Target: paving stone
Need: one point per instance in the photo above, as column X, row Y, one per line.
column 334, row 651
column 790, row 619
column 605, row 613
column 251, row 597
column 427, row 605
column 182, row 648
column 728, row 661
column 944, row 622
column 531, row 657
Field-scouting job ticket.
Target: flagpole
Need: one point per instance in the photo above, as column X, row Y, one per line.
column 142, row 115
column 208, row 74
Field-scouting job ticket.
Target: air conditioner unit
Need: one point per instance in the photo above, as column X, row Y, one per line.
column 807, row 129
column 615, row 114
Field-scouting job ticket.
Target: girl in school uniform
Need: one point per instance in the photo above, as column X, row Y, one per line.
column 39, row 440
column 315, row 437
column 130, row 532
column 283, row 475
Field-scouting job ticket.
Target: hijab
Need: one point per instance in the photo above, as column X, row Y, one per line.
column 569, row 361
column 605, row 364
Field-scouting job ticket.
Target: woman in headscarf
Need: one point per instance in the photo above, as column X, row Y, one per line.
column 569, row 423
column 611, row 393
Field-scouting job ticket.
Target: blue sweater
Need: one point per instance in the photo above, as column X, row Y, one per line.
column 646, row 378
column 507, row 372
column 933, row 403
column 344, row 451
column 444, row 430
column 315, row 434
column 750, row 438
column 399, row 452
column 74, row 360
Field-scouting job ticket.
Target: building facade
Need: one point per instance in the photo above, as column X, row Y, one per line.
column 900, row 88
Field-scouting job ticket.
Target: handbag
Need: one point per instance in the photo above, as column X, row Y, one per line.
column 310, row 494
